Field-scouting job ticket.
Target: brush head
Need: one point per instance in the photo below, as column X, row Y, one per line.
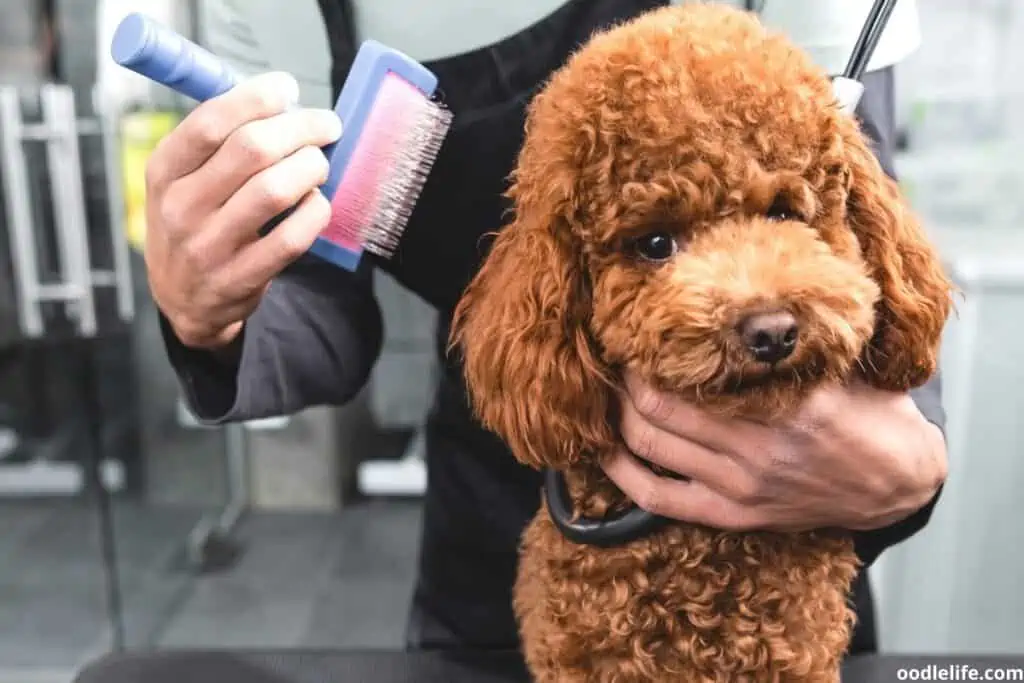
column 397, row 147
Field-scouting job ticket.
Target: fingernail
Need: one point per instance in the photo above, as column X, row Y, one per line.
column 331, row 123
column 289, row 88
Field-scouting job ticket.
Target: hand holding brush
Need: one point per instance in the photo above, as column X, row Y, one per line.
column 234, row 164
column 250, row 181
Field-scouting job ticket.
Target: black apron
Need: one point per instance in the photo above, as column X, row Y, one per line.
column 478, row 498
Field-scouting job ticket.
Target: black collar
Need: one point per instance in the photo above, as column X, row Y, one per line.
column 623, row 528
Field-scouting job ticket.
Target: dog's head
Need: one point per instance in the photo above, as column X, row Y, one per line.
column 690, row 203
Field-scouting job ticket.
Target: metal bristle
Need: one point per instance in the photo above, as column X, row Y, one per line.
column 397, row 197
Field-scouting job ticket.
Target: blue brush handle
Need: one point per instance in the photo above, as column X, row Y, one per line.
column 158, row 53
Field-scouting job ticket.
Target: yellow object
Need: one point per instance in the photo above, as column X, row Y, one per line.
column 140, row 133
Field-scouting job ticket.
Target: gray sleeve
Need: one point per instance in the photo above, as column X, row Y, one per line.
column 313, row 340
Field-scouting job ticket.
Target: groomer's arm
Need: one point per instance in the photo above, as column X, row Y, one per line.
column 871, row 543
column 252, row 327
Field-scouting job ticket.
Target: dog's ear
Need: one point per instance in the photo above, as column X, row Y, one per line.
column 916, row 294
column 532, row 373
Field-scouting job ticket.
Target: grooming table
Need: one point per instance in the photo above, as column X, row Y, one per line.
column 296, row 666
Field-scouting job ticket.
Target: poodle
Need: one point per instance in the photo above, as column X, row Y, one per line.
column 689, row 203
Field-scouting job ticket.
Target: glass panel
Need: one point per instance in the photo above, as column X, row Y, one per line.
column 77, row 408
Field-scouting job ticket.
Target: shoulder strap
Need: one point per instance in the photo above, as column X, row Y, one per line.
column 339, row 20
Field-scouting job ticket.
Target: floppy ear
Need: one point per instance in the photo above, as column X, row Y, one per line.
column 533, row 375
column 916, row 294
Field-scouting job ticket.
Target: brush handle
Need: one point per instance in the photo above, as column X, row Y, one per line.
column 158, row 53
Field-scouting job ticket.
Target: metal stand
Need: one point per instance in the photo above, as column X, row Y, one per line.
column 97, row 488
column 209, row 546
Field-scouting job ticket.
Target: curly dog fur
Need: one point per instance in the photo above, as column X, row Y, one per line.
column 681, row 172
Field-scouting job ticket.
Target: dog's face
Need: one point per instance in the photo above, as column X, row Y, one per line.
column 691, row 204
column 741, row 289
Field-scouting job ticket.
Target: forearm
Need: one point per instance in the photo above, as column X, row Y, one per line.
column 871, row 544
column 313, row 340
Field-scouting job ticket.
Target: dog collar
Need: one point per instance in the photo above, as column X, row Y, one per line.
column 617, row 529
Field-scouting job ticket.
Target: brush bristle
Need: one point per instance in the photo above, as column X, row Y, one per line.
column 389, row 166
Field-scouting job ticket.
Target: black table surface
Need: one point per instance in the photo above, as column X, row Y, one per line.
column 297, row 666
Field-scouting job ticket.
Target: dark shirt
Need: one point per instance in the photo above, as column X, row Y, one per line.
column 315, row 337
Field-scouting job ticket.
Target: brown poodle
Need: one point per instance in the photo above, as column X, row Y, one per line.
column 690, row 203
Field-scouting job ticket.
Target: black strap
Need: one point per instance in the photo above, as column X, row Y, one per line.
column 867, row 41
column 339, row 20
column 616, row 529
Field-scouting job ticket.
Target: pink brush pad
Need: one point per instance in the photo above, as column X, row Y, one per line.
column 386, row 134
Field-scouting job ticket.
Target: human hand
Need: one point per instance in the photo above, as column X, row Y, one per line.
column 851, row 457
column 235, row 163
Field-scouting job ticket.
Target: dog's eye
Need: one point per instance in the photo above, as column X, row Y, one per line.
column 781, row 210
column 657, row 246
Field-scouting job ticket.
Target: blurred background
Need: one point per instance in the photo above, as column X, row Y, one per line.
column 302, row 532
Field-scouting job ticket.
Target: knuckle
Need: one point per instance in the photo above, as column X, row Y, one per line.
column 319, row 208
column 649, row 498
column 309, row 165
column 195, row 257
column 188, row 332
column 292, row 243
column 267, row 100
column 890, row 488
column 272, row 195
column 205, row 130
column 650, row 403
column 644, row 439
column 224, row 296
column 272, row 93
column 749, row 491
column 319, row 166
column 171, row 215
column 252, row 147
column 215, row 288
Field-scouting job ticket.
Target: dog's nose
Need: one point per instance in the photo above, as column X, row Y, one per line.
column 770, row 337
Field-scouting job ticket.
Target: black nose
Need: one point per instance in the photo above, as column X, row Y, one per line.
column 770, row 337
